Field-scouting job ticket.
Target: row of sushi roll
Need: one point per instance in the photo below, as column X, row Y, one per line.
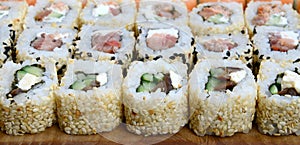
column 79, row 66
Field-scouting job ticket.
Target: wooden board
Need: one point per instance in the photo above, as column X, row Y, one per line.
column 185, row 137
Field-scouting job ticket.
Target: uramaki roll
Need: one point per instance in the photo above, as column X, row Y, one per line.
column 222, row 97
column 26, row 97
column 89, row 98
column 226, row 17
column 278, row 98
column 155, row 97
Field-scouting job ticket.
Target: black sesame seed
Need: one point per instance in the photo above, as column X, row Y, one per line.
column 10, row 25
column 261, row 57
column 243, row 32
column 228, row 53
column 256, row 52
column 297, row 60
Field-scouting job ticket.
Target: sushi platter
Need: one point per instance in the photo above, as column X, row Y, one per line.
column 150, row 71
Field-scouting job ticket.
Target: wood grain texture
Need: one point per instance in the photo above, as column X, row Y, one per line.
column 185, row 137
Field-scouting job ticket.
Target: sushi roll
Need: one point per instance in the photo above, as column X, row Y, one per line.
column 110, row 13
column 225, row 46
column 172, row 12
column 48, row 42
column 217, row 17
column 26, row 97
column 155, row 97
column 270, row 14
column 278, row 98
column 89, row 98
column 102, row 43
column 222, row 97
column 12, row 13
column 275, row 43
column 164, row 41
column 53, row 13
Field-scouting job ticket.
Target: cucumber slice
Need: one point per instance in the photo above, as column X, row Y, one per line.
column 141, row 89
column 216, row 72
column 56, row 15
column 212, row 83
column 21, row 74
column 218, row 19
column 34, row 70
column 273, row 89
column 158, row 77
column 88, row 81
column 149, row 85
column 147, row 77
column 78, row 85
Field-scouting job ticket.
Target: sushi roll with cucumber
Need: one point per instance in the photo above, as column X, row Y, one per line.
column 273, row 13
column 47, row 42
column 12, row 13
column 275, row 43
column 225, row 46
column 278, row 98
column 164, row 41
column 172, row 12
column 110, row 13
column 102, row 43
column 26, row 97
column 155, row 97
column 222, row 97
column 53, row 13
column 217, row 18
column 89, row 97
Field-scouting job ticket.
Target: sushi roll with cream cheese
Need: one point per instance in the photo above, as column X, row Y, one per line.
column 165, row 41
column 53, row 13
column 47, row 42
column 225, row 46
column 155, row 97
column 217, row 18
column 272, row 13
column 26, row 97
column 278, row 98
column 222, row 97
column 172, row 12
column 89, row 98
column 110, row 13
column 102, row 43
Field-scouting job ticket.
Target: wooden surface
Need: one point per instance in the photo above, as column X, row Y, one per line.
column 185, row 137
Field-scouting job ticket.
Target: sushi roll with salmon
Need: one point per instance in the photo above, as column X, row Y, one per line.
column 26, row 97
column 275, row 43
column 222, row 97
column 278, row 98
column 165, row 41
column 217, row 18
column 172, row 12
column 12, row 14
column 155, row 97
column 225, row 46
column 47, row 42
column 271, row 14
column 53, row 13
column 110, row 13
column 89, row 97
column 102, row 43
